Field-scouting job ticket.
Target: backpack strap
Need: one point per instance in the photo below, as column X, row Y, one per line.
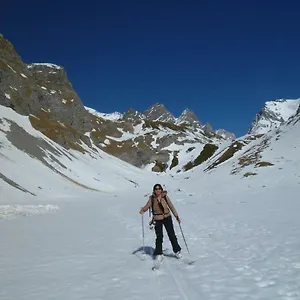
column 152, row 204
column 165, row 196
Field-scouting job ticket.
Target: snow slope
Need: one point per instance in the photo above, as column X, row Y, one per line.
column 77, row 243
column 245, row 242
column 32, row 164
column 272, row 155
column 107, row 116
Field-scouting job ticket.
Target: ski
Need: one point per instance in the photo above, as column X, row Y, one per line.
column 156, row 265
column 184, row 260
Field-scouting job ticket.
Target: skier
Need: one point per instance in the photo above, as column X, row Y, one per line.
column 161, row 206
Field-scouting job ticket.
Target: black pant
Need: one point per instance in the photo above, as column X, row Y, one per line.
column 167, row 222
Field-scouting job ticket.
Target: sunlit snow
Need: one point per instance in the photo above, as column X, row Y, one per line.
column 81, row 237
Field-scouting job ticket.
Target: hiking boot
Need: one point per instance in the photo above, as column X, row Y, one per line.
column 178, row 255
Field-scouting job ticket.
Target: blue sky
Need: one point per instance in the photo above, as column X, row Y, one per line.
column 221, row 59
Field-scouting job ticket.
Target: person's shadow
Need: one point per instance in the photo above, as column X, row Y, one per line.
column 140, row 251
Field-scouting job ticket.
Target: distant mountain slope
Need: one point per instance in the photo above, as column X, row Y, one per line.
column 273, row 114
column 33, row 164
column 42, row 99
column 154, row 139
column 255, row 154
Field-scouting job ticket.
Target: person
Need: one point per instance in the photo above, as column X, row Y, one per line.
column 162, row 207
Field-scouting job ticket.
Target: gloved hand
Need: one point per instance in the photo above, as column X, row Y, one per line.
column 151, row 224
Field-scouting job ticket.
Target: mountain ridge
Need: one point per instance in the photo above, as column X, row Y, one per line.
column 153, row 139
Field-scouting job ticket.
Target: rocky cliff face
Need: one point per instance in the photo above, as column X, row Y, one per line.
column 132, row 115
column 154, row 138
column 189, row 117
column 158, row 112
column 28, row 89
column 273, row 114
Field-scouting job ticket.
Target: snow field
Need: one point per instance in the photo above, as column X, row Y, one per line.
column 245, row 242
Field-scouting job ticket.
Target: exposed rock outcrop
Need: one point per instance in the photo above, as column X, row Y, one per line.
column 188, row 117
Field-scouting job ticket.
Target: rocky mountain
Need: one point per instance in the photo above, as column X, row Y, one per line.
column 207, row 128
column 189, row 117
column 225, row 134
column 132, row 115
column 153, row 144
column 25, row 150
column 273, row 114
column 43, row 121
column 158, row 113
column 30, row 88
column 153, row 139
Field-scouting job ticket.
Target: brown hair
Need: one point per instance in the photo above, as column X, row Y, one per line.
column 157, row 185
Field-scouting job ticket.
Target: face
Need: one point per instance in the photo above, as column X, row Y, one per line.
column 157, row 190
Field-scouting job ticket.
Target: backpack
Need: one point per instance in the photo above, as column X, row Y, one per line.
column 152, row 221
column 152, row 203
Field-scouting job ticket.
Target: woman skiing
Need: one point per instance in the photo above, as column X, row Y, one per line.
column 161, row 205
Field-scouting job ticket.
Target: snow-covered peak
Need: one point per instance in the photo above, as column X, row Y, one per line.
column 158, row 112
column 107, row 116
column 273, row 114
column 283, row 108
column 49, row 65
column 188, row 116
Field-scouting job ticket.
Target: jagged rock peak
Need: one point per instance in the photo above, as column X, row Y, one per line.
column 132, row 115
column 30, row 89
column 188, row 116
column 48, row 72
column 207, row 128
column 158, row 112
column 8, row 52
column 273, row 114
column 298, row 110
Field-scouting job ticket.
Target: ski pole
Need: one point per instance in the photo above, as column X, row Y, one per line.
column 143, row 233
column 184, row 239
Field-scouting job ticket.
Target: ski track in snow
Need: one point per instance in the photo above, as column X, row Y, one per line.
column 242, row 252
column 244, row 249
column 250, row 259
column 169, row 285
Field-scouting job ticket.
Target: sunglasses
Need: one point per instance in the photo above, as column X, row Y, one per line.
column 158, row 189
